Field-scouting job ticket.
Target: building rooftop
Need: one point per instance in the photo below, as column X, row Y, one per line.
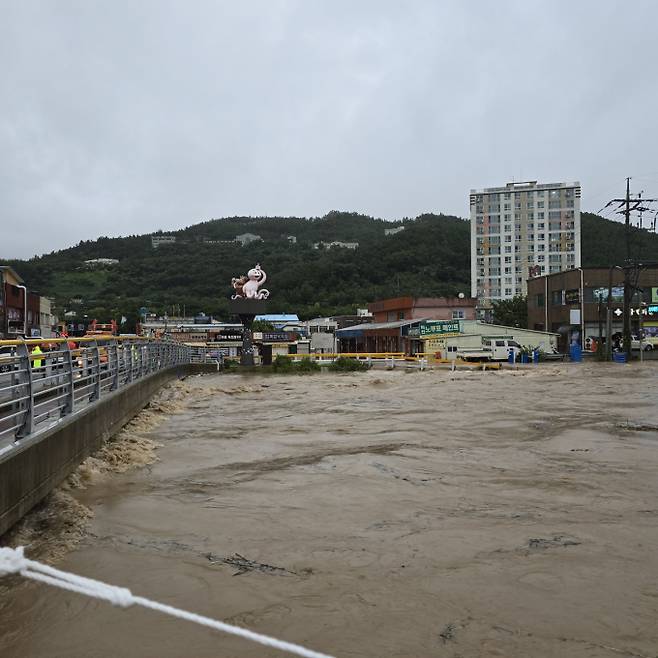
column 526, row 185
column 278, row 317
column 12, row 271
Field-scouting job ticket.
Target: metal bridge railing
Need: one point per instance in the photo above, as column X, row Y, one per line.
column 37, row 390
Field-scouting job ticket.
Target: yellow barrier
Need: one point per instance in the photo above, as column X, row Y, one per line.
column 349, row 355
column 75, row 339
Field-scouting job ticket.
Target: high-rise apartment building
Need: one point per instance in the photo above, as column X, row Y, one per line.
column 519, row 231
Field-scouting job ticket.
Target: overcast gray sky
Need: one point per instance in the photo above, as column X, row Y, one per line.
column 120, row 117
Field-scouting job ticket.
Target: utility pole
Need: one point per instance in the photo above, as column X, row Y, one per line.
column 627, row 287
column 626, row 206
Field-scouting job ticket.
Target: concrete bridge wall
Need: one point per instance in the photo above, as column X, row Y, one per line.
column 40, row 462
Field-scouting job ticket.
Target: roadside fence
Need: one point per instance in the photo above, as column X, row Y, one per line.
column 39, row 389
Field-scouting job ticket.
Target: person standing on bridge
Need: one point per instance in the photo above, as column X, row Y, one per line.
column 37, row 363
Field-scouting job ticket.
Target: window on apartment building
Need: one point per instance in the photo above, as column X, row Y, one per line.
column 541, row 247
column 540, row 215
column 506, row 217
column 508, row 238
column 507, row 195
column 540, row 204
column 530, row 206
column 508, row 259
column 518, row 281
column 507, row 206
column 541, row 258
column 539, row 300
column 557, row 297
column 569, row 203
column 508, row 227
column 508, row 250
column 541, row 236
column 508, row 291
column 517, row 215
column 531, row 247
column 458, row 314
column 508, row 270
column 517, row 205
column 508, row 280
column 540, row 225
column 531, row 236
column 554, row 204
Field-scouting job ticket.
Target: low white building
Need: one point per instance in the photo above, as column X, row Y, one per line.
column 331, row 245
column 393, row 231
column 46, row 318
column 159, row 240
column 322, row 332
column 247, row 238
column 101, row 262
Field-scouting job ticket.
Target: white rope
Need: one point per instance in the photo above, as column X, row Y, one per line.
column 13, row 561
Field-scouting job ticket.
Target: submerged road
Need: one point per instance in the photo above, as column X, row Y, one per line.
column 510, row 513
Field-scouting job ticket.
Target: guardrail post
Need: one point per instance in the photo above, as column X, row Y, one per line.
column 142, row 360
column 24, row 353
column 113, row 357
column 69, row 405
column 95, row 369
column 128, row 355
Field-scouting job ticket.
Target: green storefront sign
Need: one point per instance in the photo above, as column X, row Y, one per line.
column 438, row 327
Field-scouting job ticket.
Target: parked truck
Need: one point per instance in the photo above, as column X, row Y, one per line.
column 493, row 349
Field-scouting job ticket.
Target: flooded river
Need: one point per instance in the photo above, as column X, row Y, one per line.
column 404, row 514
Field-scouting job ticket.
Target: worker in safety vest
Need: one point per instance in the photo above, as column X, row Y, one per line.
column 37, row 363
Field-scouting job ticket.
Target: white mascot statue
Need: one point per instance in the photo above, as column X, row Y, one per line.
column 249, row 287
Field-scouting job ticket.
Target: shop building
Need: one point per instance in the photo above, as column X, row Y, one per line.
column 429, row 308
column 436, row 337
column 574, row 303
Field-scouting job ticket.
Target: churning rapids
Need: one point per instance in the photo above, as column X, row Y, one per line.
column 510, row 513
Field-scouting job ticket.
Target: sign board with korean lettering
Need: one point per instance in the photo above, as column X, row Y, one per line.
column 439, row 328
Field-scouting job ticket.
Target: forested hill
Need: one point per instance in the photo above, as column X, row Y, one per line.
column 431, row 256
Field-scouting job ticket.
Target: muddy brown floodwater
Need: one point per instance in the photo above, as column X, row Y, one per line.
column 424, row 514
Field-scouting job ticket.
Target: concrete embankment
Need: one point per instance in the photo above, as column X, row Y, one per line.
column 41, row 462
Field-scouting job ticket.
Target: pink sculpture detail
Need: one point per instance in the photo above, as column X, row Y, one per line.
column 247, row 287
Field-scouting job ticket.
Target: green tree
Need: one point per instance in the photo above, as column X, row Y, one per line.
column 511, row 312
column 262, row 325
